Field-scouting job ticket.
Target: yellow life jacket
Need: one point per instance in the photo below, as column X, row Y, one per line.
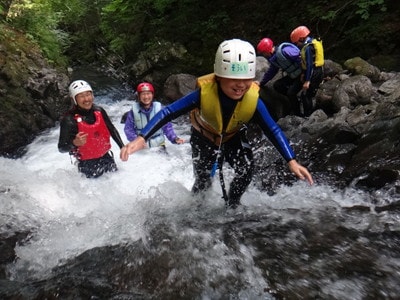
column 208, row 119
column 318, row 56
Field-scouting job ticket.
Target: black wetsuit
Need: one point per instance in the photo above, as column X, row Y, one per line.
column 92, row 168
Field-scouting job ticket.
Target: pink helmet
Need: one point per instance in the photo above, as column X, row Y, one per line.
column 299, row 33
column 145, row 87
column 265, row 46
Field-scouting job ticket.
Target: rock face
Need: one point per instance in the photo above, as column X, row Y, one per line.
column 33, row 93
column 178, row 85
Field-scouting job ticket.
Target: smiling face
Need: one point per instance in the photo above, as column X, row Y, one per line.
column 85, row 100
column 234, row 88
column 146, row 98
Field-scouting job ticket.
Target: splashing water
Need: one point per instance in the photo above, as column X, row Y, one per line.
column 147, row 200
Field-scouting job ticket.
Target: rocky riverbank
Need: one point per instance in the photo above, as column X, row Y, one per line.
column 32, row 91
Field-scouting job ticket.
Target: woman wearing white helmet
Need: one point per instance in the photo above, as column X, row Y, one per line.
column 221, row 106
column 85, row 132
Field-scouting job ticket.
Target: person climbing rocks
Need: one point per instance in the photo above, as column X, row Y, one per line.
column 285, row 57
column 312, row 63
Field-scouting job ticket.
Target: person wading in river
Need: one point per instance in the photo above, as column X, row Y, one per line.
column 220, row 108
column 140, row 114
column 85, row 133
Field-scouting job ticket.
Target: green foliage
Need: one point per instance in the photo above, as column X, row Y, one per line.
column 71, row 12
column 88, row 30
column 38, row 19
column 48, row 22
column 333, row 11
column 162, row 5
column 82, row 19
column 129, row 26
column 365, row 6
column 122, row 21
column 16, row 44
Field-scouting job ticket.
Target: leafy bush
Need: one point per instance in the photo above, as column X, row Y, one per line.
column 40, row 22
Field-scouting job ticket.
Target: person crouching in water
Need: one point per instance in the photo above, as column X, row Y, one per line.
column 140, row 114
column 224, row 102
column 85, row 133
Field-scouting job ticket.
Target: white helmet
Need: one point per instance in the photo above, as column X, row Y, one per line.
column 78, row 86
column 235, row 59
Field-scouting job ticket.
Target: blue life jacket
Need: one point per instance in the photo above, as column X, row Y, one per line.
column 157, row 139
column 292, row 68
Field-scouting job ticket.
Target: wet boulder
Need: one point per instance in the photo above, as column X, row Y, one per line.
column 354, row 91
column 178, row 85
column 331, row 69
column 358, row 66
column 391, row 88
column 324, row 95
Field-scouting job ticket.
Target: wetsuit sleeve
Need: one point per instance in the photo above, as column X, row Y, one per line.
column 273, row 131
column 113, row 131
column 169, row 132
column 271, row 72
column 309, row 61
column 171, row 112
column 68, row 131
column 130, row 127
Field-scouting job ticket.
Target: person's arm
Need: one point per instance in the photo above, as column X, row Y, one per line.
column 167, row 114
column 130, row 126
column 68, row 132
column 309, row 56
column 273, row 131
column 169, row 132
column 269, row 74
column 279, row 140
column 171, row 112
column 111, row 128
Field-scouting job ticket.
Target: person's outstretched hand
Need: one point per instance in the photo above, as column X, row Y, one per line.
column 179, row 141
column 137, row 144
column 300, row 171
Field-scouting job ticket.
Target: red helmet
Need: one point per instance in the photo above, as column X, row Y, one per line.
column 145, row 87
column 265, row 46
column 300, row 32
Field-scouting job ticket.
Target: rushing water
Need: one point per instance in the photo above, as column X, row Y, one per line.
column 139, row 234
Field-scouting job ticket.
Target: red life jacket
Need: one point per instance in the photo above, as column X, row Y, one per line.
column 98, row 140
